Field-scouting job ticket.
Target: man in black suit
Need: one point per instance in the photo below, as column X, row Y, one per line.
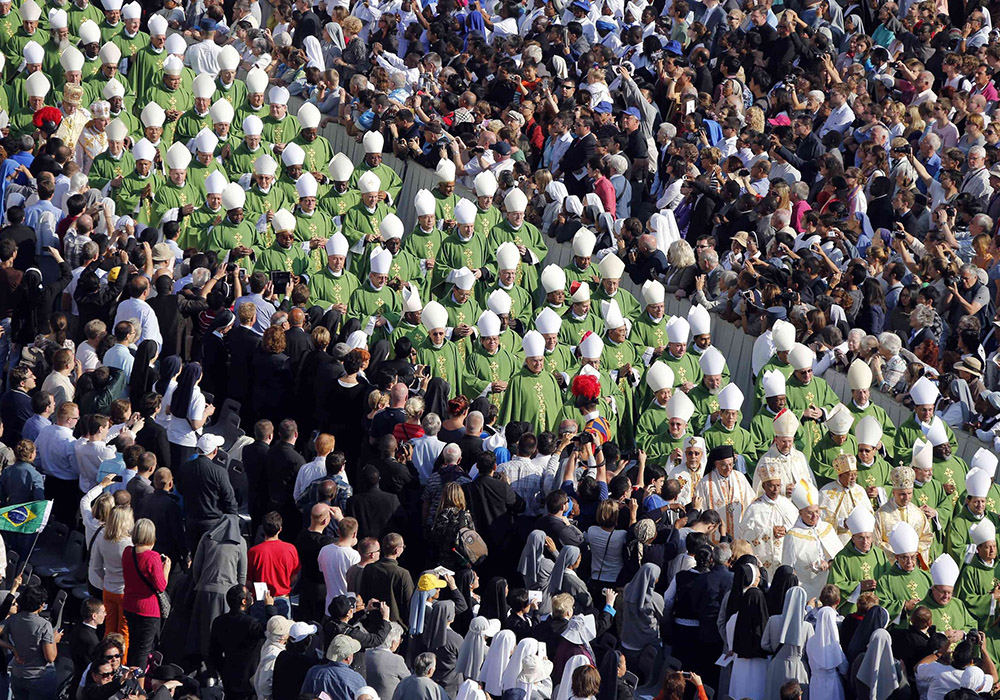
column 573, row 166
column 243, row 343
column 23, row 237
column 808, row 149
column 493, row 504
column 83, row 638
column 556, row 525
column 376, row 511
column 254, row 459
column 205, row 487
column 15, row 404
column 280, row 469
column 297, row 341
column 306, row 24
column 163, row 507
column 708, row 594
column 235, row 641
column 386, row 581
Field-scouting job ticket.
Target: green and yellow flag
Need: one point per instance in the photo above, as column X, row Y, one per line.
column 26, row 518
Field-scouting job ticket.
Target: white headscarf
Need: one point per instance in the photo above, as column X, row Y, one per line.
column 565, row 689
column 497, row 660
column 793, row 617
column 366, row 690
column 526, row 647
column 314, row 52
column 824, row 650
column 878, row 668
column 473, row 650
column 470, row 690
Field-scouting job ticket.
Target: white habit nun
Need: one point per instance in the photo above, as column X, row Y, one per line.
column 878, row 672
column 497, row 659
column 826, row 657
column 786, row 635
column 565, row 689
column 472, row 654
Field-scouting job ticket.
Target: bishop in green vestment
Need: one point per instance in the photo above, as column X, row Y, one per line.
column 461, row 248
column 376, row 299
column 524, row 235
column 857, row 567
column 952, row 615
column 533, row 394
column 900, row 590
column 146, row 65
column 424, row 244
column 285, row 255
column 978, row 586
column 489, row 367
column 622, row 360
column 334, row 285
column 967, row 515
column 361, row 226
column 578, row 321
column 280, row 127
column 915, row 428
column 235, row 236
column 391, row 183
column 441, row 355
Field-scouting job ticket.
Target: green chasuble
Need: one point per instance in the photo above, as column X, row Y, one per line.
column 627, row 303
column 822, row 454
column 456, row 253
column 444, row 363
column 957, row 535
column 258, row 202
column 444, row 207
column 318, row 153
column 651, row 433
column 974, row 586
column 850, row 567
column 91, row 67
column 170, row 196
column 609, row 390
column 575, row 274
column 13, row 49
column 800, row 397
column 391, row 182
column 190, row 123
column 404, row 266
column 762, row 429
column 246, row 109
column 227, row 235
column 366, row 301
column 573, row 328
column 358, row 223
column 313, row 225
column 201, row 220
column 705, row 404
column 131, row 45
column 424, row 245
column 128, row 195
column 94, row 84
column 951, row 471
column 75, row 16
column 327, row 288
column 292, row 259
column 282, row 131
column 169, row 99
column 131, row 122
column 337, row 203
column 888, row 429
column 21, row 123
column 896, row 587
column 559, row 359
column 50, row 62
column 534, row 398
column 235, row 93
column 110, row 31
column 482, row 370
column 909, row 432
column 992, row 499
column 106, row 168
column 520, row 301
column 511, row 342
column 615, row 356
column 10, row 23
column 953, row 616
column 876, row 474
column 773, row 364
column 486, row 219
column 697, row 353
column 739, row 438
column 528, row 236
column 467, row 313
column 932, row 494
column 146, row 69
column 685, row 367
column 241, row 159
column 647, row 333
column 416, row 333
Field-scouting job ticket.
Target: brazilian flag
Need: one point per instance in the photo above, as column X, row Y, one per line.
column 26, row 518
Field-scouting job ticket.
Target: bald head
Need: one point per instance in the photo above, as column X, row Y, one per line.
column 84, row 224
column 320, row 514
column 296, row 318
column 398, row 395
column 647, row 243
column 474, row 423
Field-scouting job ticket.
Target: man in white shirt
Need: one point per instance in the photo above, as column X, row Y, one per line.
column 841, row 116
column 92, row 450
column 315, row 469
column 203, row 57
column 136, row 307
column 335, row 559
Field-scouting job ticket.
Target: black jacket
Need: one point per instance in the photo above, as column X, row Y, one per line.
column 806, row 156
column 254, row 460
column 493, row 504
column 153, row 437
column 243, row 342
column 377, row 512
column 164, row 509
column 234, row 649
column 281, row 467
column 206, row 490
column 297, row 344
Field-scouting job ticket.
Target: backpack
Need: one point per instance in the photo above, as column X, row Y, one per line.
column 471, row 545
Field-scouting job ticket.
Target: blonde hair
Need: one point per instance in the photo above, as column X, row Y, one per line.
column 120, row 523
column 562, row 604
column 102, row 506
column 755, row 119
column 144, row 533
column 452, row 496
column 376, row 398
column 351, row 25
column 680, row 254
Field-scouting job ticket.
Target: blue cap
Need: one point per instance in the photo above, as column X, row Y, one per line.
column 604, row 25
column 582, row 4
column 209, row 24
column 674, row 47
column 633, row 112
column 777, row 312
column 603, row 108
column 502, row 147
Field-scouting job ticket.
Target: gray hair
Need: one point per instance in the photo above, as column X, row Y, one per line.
column 890, row 342
column 933, row 140
column 90, row 250
column 799, row 189
column 451, row 454
column 723, row 553
column 780, row 219
column 969, row 269
column 709, row 256
column 983, row 220
column 424, row 664
column 395, row 634
column 431, row 423
column 77, row 181
column 924, row 315
column 977, row 151
column 474, row 421
column 680, row 254
column 728, row 279
column 200, row 276
column 856, row 333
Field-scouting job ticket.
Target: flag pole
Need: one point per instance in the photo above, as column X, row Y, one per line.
column 30, row 551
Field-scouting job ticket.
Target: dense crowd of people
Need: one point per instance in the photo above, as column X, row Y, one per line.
column 284, row 448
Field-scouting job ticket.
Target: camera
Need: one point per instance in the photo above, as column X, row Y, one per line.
column 973, row 637
column 280, row 278
column 230, row 268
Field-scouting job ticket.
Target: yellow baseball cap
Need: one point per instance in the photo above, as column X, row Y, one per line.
column 428, row 582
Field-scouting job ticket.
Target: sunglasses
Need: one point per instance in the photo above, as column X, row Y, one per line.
column 109, row 674
column 112, row 656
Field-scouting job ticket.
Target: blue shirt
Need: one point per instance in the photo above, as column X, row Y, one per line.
column 335, row 678
column 120, row 357
column 265, row 310
column 57, row 453
column 33, row 426
column 33, row 213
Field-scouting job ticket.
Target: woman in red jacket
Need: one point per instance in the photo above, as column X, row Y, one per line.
column 145, row 572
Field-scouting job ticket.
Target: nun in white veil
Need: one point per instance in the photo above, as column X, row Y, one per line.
column 314, row 52
column 786, row 635
column 473, row 651
column 826, row 657
column 496, row 662
column 878, row 674
column 564, row 690
column 470, row 690
column 525, row 648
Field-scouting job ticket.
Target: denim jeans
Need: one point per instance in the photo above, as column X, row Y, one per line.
column 42, row 688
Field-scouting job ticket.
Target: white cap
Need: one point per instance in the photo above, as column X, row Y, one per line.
column 110, row 53
column 978, row 482
column 488, row 324
column 205, row 141
column 411, row 295
column 256, row 81
column 508, row 256
column 463, row 278
column 30, row 11
column 581, row 294
column 278, row 95
column 203, row 86
column 265, row 165
column 678, row 329
column 859, row 375
column 860, row 520
column 369, row 182
column 116, row 130
column 923, row 455
column 221, row 112
column 773, row 383
column 173, row 66
column 783, row 335
column 293, row 155
column 216, row 182
column 804, row 495
column 553, row 278
column 730, row 398
column 944, row 571
column 228, row 58
column 337, row 244
column 680, row 406
column 800, row 357
column 306, row 186
column 612, row 314
column 653, row 292
column 175, row 44
column 712, row 362
column 486, row 184
column 141, row 149
column 132, row 11
column 515, row 200
column 611, row 267
column 465, row 212
column 924, row 392
column 380, row 261
column 153, row 115
column 209, row 442
column 786, row 424
column 33, row 53
column 434, row 316
column 373, row 142
column 89, row 32
column 903, row 539
column 341, row 168
column 583, row 243
column 591, row 346
column 113, row 88
column 533, row 344
column 157, row 25
column 424, row 203
column 839, row 420
column 178, row 157
column 936, row 434
column 985, row 460
column 57, row 19
column 548, row 321
column 983, row 531
column 659, row 376
column 445, row 171
column 233, row 197
column 391, row 227
column 499, row 302
column 283, row 220
column 309, row 116
column 252, row 125
column 869, row 431
column 699, row 320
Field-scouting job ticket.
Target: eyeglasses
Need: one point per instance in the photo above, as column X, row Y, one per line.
column 109, row 674
column 112, row 656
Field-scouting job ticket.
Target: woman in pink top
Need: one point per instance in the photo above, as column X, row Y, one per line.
column 145, row 572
